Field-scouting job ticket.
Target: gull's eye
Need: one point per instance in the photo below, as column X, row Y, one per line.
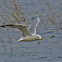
column 38, row 37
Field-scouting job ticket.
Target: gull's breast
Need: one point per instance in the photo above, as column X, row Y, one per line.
column 29, row 38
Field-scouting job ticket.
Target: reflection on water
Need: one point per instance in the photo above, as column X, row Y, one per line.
column 48, row 50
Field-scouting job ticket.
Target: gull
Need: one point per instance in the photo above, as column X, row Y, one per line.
column 28, row 33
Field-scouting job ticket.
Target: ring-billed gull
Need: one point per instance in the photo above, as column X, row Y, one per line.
column 29, row 33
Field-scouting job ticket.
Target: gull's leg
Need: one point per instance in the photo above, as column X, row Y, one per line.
column 38, row 42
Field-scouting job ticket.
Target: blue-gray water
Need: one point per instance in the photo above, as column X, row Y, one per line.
column 48, row 50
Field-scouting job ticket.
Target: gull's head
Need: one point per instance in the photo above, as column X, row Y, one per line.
column 39, row 37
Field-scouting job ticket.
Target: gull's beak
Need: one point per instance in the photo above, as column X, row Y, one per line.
column 41, row 39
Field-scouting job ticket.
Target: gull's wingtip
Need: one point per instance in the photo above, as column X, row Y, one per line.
column 2, row 26
column 38, row 18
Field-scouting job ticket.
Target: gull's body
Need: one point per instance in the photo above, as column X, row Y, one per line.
column 29, row 34
column 30, row 38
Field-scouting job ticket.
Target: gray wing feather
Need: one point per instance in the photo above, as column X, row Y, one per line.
column 32, row 27
column 22, row 28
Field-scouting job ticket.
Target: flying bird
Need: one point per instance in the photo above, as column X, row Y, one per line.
column 28, row 33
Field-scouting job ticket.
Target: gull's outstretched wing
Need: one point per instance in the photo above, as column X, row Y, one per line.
column 22, row 28
column 32, row 27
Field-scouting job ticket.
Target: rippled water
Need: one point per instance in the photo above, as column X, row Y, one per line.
column 47, row 51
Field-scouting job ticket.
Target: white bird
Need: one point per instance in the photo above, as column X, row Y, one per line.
column 29, row 33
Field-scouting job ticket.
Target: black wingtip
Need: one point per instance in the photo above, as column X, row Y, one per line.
column 2, row 26
column 6, row 25
column 9, row 25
